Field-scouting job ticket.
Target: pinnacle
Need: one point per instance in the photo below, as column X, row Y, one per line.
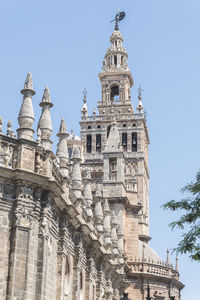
column 63, row 128
column 106, row 207
column 46, row 97
column 28, row 82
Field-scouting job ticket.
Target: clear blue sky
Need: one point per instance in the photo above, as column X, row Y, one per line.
column 62, row 43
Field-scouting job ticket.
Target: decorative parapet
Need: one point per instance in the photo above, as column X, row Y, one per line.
column 159, row 268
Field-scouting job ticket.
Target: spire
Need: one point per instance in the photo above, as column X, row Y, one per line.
column 76, row 172
column 84, row 110
column 26, row 114
column 113, row 143
column 45, row 124
column 62, row 150
column 106, row 222
column 87, row 193
column 168, row 259
column 140, row 105
column 98, row 212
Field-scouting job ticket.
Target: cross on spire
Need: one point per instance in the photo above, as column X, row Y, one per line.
column 140, row 90
column 84, row 92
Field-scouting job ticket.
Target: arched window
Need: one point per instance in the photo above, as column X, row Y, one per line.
column 124, row 141
column 98, row 143
column 89, row 143
column 114, row 94
column 134, row 141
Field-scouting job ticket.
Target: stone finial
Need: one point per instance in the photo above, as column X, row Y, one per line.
column 63, row 128
column 1, row 123
column 62, row 150
column 176, row 267
column 87, row 193
column 38, row 135
column 9, row 128
column 46, row 97
column 168, row 259
column 45, row 123
column 26, row 114
column 28, row 85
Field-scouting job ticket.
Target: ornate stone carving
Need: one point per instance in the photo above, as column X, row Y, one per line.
column 23, row 216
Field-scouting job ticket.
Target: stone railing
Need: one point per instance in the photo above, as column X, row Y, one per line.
column 110, row 117
column 159, row 268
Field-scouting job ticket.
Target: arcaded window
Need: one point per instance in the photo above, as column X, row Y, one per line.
column 114, row 94
column 98, row 143
column 124, row 141
column 89, row 143
column 134, row 141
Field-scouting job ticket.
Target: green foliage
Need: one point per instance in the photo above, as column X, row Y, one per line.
column 189, row 220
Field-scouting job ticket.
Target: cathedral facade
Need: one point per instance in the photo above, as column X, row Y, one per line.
column 75, row 224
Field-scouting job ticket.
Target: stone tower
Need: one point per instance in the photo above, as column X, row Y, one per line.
column 116, row 151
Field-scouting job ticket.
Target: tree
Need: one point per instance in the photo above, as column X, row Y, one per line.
column 189, row 220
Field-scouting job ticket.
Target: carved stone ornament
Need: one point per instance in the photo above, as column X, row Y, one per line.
column 23, row 217
column 29, row 82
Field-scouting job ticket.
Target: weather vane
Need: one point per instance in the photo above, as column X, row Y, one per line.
column 119, row 17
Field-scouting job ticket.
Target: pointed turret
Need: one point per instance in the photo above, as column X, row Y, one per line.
column 87, row 194
column 76, row 173
column 62, row 150
column 98, row 212
column 45, row 124
column 26, row 114
column 84, row 110
column 106, row 222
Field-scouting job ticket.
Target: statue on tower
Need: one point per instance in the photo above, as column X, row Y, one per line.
column 119, row 17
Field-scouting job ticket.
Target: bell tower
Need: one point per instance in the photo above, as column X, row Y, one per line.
column 116, row 139
column 116, row 108
column 116, row 79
